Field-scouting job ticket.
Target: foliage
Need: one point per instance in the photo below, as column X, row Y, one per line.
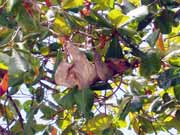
column 89, row 66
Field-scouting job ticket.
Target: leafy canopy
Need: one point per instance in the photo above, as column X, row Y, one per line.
column 85, row 66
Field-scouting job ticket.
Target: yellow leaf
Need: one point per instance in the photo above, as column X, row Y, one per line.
column 71, row 3
column 119, row 123
column 117, row 17
column 98, row 123
column 169, row 118
column 3, row 66
column 60, row 26
column 135, row 2
column 134, row 121
column 63, row 124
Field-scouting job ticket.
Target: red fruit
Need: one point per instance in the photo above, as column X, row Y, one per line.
column 103, row 39
column 85, row 12
column 148, row 92
column 48, row 3
column 27, row 7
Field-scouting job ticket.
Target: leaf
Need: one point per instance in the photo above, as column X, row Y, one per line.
column 165, row 21
column 27, row 105
column 53, row 131
column 160, row 43
column 100, row 86
column 139, row 12
column 152, row 38
column 4, row 84
column 117, row 17
column 84, row 99
column 39, row 94
column 124, row 107
column 150, row 64
column 11, row 4
column 5, row 35
column 25, row 20
column 4, row 60
column 103, row 4
column 169, row 78
column 68, row 100
column 174, row 60
column 17, row 63
column 146, row 125
column 66, row 4
column 97, row 19
column 136, row 87
column 47, row 112
column 146, row 2
column 136, row 104
column 145, row 22
column 177, row 92
column 114, row 50
column 60, row 26
column 98, row 123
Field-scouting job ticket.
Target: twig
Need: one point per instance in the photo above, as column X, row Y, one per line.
column 3, row 5
column 17, row 111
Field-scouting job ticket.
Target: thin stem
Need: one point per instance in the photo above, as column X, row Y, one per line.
column 17, row 111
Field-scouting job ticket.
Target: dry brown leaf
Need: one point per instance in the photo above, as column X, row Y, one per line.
column 80, row 71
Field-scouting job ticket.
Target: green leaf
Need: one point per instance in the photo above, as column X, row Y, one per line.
column 136, row 104
column 66, row 4
column 165, row 21
column 127, row 32
column 5, row 35
column 26, row 21
column 84, row 99
column 4, row 58
column 150, row 64
column 68, row 100
column 146, row 124
column 136, row 87
column 74, row 22
column 27, row 106
column 152, row 38
column 145, row 22
column 11, row 4
column 17, row 63
column 117, row 17
column 39, row 94
column 124, row 107
column 97, row 19
column 169, row 78
column 146, row 2
column 175, row 60
column 114, row 50
column 47, row 112
column 177, row 92
column 103, row 4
